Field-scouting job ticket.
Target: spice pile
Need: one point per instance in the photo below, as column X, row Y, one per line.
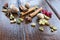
column 29, row 13
column 10, row 11
column 43, row 18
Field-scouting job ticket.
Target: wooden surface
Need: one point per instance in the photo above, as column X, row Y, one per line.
column 54, row 4
column 25, row 31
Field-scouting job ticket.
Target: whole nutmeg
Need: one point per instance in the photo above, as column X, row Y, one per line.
column 40, row 16
column 27, row 5
column 14, row 8
column 5, row 5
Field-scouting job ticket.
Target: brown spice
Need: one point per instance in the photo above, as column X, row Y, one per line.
column 29, row 10
column 5, row 6
column 36, row 12
column 29, row 19
column 23, row 8
column 27, row 5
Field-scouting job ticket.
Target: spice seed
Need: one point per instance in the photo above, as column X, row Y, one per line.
column 33, row 24
column 13, row 21
column 21, row 19
column 46, row 17
column 4, row 10
column 40, row 16
column 52, row 30
column 41, row 28
column 53, row 27
column 18, row 21
column 11, row 17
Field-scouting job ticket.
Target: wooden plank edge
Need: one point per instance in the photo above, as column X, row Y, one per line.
column 53, row 9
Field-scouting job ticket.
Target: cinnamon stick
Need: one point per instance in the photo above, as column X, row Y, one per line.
column 29, row 10
column 29, row 18
column 34, row 13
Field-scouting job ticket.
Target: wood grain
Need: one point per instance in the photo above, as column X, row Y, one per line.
column 10, row 31
column 35, row 34
column 54, row 5
column 25, row 31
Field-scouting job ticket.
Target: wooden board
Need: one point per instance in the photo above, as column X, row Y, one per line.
column 10, row 31
column 54, row 4
column 25, row 31
column 35, row 34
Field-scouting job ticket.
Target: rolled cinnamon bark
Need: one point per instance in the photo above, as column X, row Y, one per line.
column 29, row 10
column 34, row 13
column 29, row 18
